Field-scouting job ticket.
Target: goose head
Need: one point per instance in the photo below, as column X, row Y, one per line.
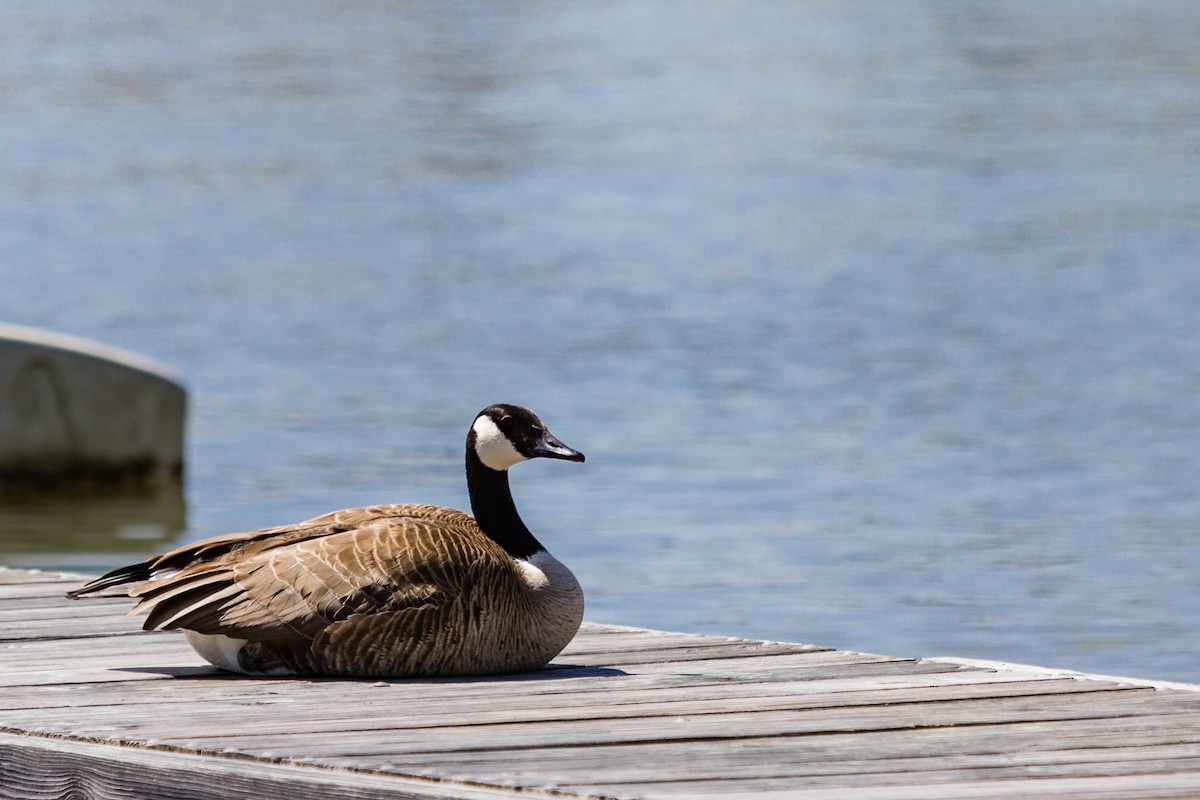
column 503, row 435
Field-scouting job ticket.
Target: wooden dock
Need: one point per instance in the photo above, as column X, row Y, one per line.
column 91, row 707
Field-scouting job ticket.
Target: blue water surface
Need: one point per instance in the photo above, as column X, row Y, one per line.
column 878, row 322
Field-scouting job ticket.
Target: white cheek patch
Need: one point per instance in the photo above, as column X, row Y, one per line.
column 493, row 447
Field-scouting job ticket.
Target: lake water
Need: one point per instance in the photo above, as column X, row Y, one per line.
column 878, row 322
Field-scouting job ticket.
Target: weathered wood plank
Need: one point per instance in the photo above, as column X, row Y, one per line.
column 1172, row 786
column 750, row 724
column 76, row 627
column 38, row 768
column 51, row 591
column 10, row 576
column 623, row 711
column 601, row 640
column 21, row 617
column 1063, row 673
column 679, row 654
column 927, row 780
column 908, row 751
column 589, row 699
column 437, row 711
column 729, row 774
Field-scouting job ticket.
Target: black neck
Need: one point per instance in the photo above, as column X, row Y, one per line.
column 494, row 510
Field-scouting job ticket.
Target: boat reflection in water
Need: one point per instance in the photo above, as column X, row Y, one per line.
column 89, row 529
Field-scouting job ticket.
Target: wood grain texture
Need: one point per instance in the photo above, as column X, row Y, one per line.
column 34, row 768
column 90, row 708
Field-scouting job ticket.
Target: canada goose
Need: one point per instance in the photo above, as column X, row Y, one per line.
column 385, row 591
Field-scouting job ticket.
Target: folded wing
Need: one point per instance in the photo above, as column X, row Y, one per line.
column 286, row 586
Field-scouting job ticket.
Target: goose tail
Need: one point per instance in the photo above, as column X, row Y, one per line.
column 133, row 573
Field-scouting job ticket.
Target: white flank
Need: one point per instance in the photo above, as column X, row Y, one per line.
column 544, row 571
column 533, row 577
column 556, row 600
column 493, row 447
column 217, row 649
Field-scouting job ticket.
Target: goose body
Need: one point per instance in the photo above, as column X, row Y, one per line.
column 381, row 591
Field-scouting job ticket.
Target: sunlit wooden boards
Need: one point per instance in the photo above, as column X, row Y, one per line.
column 92, row 707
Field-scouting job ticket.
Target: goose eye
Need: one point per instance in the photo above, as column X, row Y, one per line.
column 507, row 422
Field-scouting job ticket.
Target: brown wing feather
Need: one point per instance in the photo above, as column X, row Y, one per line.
column 242, row 545
column 284, row 586
column 447, row 634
